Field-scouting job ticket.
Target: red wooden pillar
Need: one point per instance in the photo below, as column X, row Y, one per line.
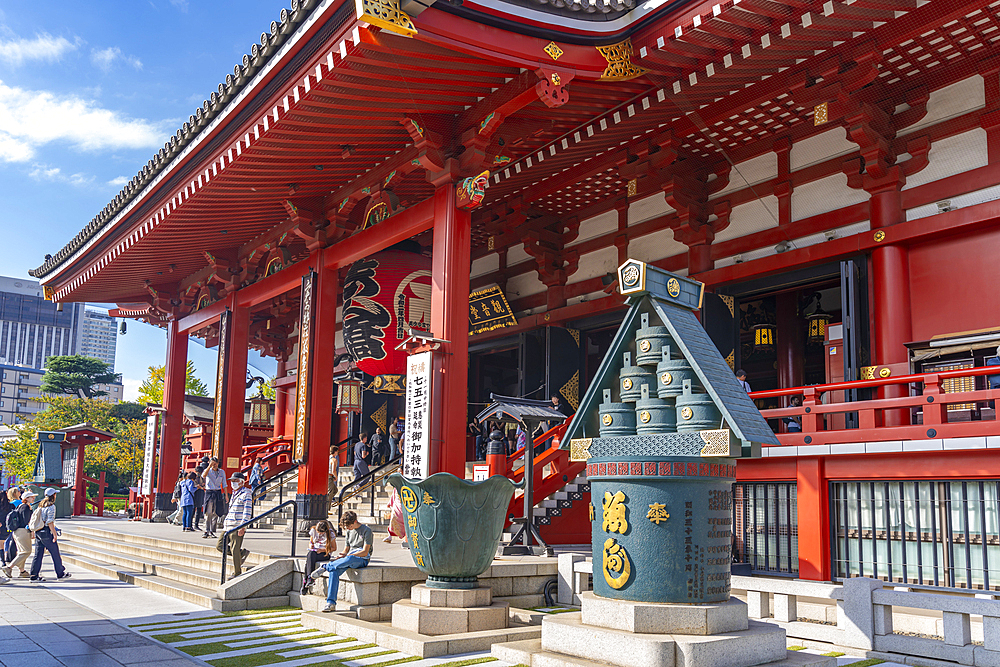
column 891, row 287
column 790, row 340
column 450, row 321
column 813, row 504
column 312, row 486
column 80, row 492
column 171, row 429
column 236, row 389
column 700, row 258
column 280, row 400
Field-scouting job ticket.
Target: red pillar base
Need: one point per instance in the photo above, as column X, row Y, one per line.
column 813, row 505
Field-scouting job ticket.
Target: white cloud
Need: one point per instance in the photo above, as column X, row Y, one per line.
column 43, row 172
column 180, row 4
column 31, row 119
column 106, row 58
column 16, row 51
column 118, row 182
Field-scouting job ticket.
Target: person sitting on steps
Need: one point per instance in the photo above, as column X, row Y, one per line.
column 355, row 556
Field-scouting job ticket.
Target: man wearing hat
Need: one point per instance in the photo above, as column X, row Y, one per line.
column 21, row 535
column 240, row 511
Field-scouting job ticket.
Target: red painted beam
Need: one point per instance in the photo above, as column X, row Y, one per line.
column 406, row 224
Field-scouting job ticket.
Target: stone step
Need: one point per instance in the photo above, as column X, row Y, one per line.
column 189, row 593
column 196, row 576
column 529, row 652
column 156, row 549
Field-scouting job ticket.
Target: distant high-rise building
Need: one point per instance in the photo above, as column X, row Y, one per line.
column 98, row 336
column 31, row 328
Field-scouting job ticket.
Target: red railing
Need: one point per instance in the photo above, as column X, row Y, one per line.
column 98, row 504
column 275, row 454
column 923, row 414
column 552, row 469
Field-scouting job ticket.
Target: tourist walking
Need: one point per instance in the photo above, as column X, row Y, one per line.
column 188, row 488
column 240, row 511
column 322, row 543
column 175, row 518
column 396, row 430
column 17, row 524
column 257, row 475
column 355, row 556
column 396, row 526
column 199, row 493
column 5, row 508
column 361, row 452
column 43, row 527
column 215, row 500
column 741, row 377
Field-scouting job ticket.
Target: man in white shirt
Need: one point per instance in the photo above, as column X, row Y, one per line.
column 741, row 377
column 215, row 500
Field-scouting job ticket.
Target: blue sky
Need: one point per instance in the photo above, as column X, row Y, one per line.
column 88, row 92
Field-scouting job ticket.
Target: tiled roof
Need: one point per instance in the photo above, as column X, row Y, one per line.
column 260, row 54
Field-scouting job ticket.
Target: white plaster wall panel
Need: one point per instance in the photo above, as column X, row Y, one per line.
column 753, row 216
column 515, row 254
column 825, row 195
column 484, row 265
column 961, row 201
column 595, row 264
column 524, row 285
column 596, row 226
column 951, row 156
column 751, row 172
column 650, row 207
column 814, row 239
column 953, row 100
column 655, row 246
column 820, row 147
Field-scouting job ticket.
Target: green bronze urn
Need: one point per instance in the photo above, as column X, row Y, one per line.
column 453, row 526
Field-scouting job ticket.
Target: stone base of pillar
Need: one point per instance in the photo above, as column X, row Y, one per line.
column 312, row 508
column 163, row 506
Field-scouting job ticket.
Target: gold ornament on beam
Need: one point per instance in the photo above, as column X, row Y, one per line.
column 385, row 14
column 820, row 114
column 619, row 57
column 553, row 50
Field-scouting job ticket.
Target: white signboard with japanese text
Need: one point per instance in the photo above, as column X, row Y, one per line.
column 417, row 438
column 148, row 456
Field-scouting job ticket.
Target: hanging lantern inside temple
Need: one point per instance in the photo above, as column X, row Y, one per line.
column 348, row 395
column 817, row 325
column 260, row 411
column 763, row 337
column 384, row 296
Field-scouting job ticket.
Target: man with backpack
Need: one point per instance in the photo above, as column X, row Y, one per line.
column 17, row 523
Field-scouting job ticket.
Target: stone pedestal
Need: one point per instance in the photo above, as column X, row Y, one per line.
column 439, row 611
column 638, row 634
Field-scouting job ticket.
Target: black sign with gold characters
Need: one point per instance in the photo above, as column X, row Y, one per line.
column 489, row 310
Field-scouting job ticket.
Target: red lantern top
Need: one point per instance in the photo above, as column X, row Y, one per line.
column 385, row 295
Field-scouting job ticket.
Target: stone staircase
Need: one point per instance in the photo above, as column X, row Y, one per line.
column 176, row 568
column 360, row 504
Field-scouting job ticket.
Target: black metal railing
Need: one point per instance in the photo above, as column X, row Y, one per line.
column 365, row 483
column 252, row 520
column 268, row 484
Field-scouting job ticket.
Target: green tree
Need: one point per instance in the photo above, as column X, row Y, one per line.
column 76, row 375
column 151, row 389
column 118, row 458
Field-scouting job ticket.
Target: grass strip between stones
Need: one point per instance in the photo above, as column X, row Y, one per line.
column 171, row 637
column 833, row 654
column 397, row 661
column 221, row 647
column 470, row 661
column 865, row 663
column 796, row 648
column 263, row 613
column 178, row 633
column 262, row 659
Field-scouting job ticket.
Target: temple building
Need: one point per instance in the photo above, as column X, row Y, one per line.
column 479, row 169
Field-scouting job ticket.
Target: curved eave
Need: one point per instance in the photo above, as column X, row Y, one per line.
column 204, row 127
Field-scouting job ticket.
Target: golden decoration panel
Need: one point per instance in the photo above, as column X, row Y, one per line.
column 386, row 14
column 620, row 66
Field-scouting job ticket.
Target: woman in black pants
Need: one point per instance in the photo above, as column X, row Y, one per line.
column 322, row 543
column 46, row 538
